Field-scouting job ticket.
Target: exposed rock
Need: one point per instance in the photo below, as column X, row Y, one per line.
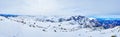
column 113, row 36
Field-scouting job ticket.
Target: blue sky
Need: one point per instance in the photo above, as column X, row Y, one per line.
column 60, row 7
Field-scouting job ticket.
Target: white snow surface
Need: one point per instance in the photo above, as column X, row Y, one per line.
column 28, row 27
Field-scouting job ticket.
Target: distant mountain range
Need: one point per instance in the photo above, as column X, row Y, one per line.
column 82, row 21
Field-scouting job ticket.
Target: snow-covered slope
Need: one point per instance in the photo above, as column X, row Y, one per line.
column 54, row 26
column 10, row 28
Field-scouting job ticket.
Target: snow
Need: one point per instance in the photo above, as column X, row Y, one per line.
column 9, row 28
column 26, row 26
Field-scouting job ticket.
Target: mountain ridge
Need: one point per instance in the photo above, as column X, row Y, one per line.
column 82, row 21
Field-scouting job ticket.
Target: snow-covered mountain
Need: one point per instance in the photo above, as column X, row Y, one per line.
column 59, row 24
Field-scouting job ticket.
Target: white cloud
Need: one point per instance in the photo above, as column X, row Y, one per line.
column 32, row 7
column 61, row 7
